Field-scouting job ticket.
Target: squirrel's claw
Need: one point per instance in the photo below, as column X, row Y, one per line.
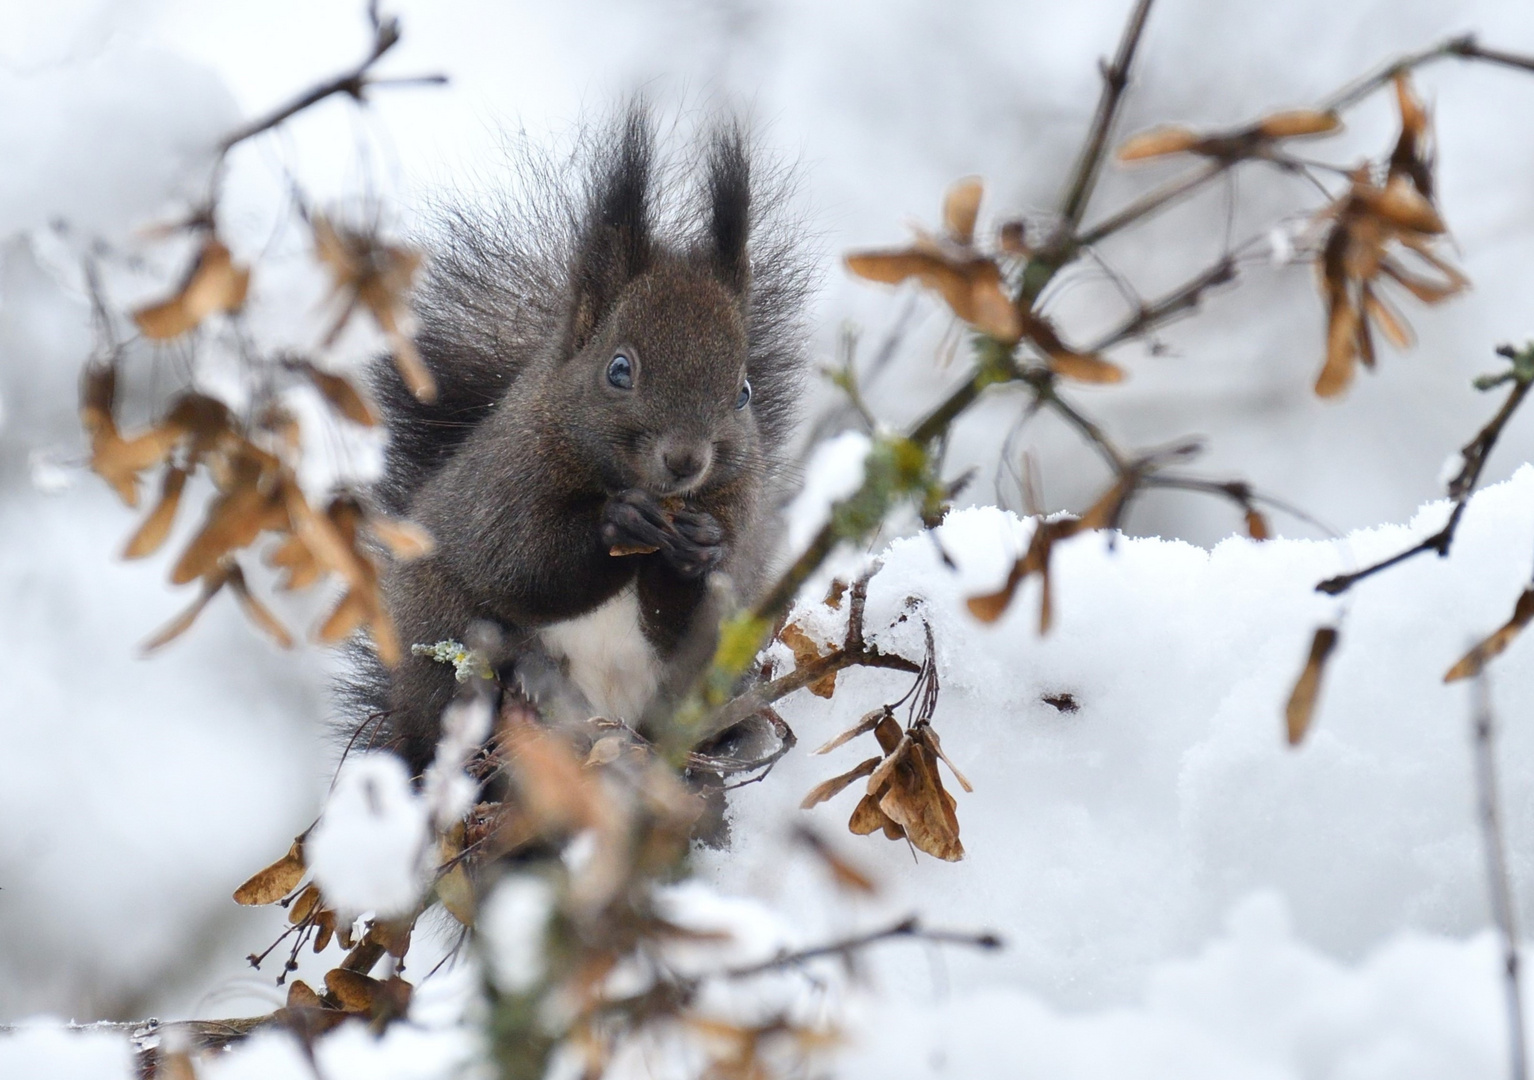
column 689, row 540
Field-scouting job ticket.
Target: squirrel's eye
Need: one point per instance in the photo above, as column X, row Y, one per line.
column 620, row 372
column 745, row 395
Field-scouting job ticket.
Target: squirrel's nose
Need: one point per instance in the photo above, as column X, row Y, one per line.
column 684, row 463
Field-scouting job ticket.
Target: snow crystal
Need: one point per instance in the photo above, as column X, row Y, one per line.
column 367, row 850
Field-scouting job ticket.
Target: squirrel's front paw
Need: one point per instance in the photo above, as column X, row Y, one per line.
column 634, row 522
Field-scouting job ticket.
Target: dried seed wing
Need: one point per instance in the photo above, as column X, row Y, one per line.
column 1397, row 332
column 301, row 996
column 156, row 527
column 862, row 727
column 405, row 539
column 355, row 991
column 181, row 623
column 930, row 740
column 834, row 786
column 891, row 267
column 349, row 616
column 457, row 894
column 214, row 284
column 1341, row 347
column 1085, row 367
column 1302, row 700
column 385, row 638
column 1256, row 524
column 271, row 884
column 868, row 818
column 1400, row 204
column 342, row 395
column 1473, row 661
column 412, row 368
column 989, row 308
column 234, row 520
column 991, row 606
column 256, row 611
column 1157, row 142
column 881, row 773
column 304, row 903
column 961, row 205
column 888, row 732
column 1295, row 123
column 915, row 799
column 294, row 556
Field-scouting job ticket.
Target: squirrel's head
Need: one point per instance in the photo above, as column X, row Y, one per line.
column 654, row 373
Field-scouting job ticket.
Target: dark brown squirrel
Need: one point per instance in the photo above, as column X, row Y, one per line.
column 612, row 378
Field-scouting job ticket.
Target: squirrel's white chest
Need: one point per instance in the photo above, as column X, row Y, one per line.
column 607, row 657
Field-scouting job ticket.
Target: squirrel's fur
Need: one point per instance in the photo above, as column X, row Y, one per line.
column 534, row 461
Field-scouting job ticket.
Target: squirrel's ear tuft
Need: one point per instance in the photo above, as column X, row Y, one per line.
column 729, row 208
column 615, row 241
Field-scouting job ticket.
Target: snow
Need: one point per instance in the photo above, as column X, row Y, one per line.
column 368, row 850
column 1180, row 893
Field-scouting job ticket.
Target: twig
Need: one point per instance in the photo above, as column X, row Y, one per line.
column 386, row 35
column 1474, row 455
column 909, row 927
column 1464, row 47
column 1089, row 164
column 1150, row 202
column 1498, row 877
column 854, row 652
column 1185, row 297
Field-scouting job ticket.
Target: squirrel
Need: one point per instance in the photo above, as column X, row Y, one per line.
column 616, row 389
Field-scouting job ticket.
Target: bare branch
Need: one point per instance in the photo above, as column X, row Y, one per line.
column 1115, row 79
column 1474, row 455
column 909, row 927
column 1498, row 877
column 1185, row 297
column 354, row 83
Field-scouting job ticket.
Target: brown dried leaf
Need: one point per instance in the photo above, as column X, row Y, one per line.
column 1256, row 524
column 834, row 786
column 156, row 527
column 862, row 727
column 961, row 205
column 806, row 652
column 214, row 284
column 835, row 593
column 275, row 881
column 1472, row 662
column 1401, row 204
column 1158, row 142
column 1302, row 701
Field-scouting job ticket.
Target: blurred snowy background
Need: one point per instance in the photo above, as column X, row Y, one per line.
column 1111, row 846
